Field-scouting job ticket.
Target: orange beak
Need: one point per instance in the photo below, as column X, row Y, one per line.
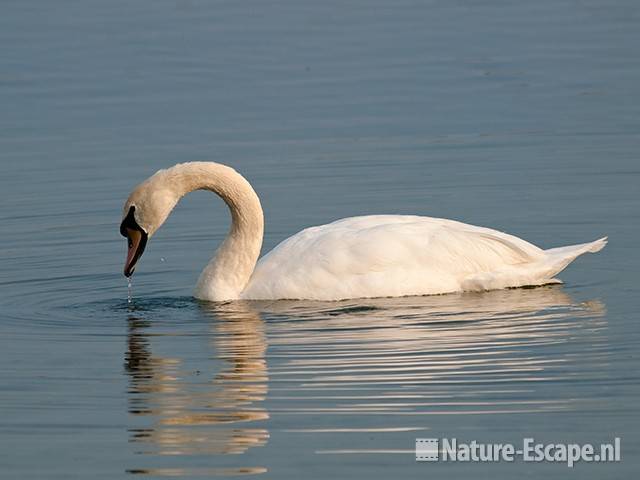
column 136, row 242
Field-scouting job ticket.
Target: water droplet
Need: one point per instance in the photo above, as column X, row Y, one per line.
column 129, row 291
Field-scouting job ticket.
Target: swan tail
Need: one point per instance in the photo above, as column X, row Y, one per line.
column 577, row 250
column 557, row 259
column 541, row 272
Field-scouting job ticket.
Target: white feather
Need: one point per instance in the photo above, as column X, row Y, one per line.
column 397, row 255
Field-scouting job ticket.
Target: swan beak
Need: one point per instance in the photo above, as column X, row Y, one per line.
column 136, row 241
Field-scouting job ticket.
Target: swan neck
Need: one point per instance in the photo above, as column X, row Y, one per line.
column 230, row 269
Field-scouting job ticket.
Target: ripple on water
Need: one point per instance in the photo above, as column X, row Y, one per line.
column 368, row 367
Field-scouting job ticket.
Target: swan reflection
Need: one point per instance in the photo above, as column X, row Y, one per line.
column 372, row 365
column 475, row 353
column 195, row 411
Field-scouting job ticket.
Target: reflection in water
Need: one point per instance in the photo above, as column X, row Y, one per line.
column 368, row 367
column 472, row 353
column 192, row 413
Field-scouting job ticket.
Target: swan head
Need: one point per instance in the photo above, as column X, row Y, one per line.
column 146, row 209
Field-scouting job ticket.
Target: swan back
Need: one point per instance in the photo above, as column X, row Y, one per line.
column 383, row 256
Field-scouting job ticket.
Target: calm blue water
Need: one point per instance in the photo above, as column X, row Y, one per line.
column 522, row 116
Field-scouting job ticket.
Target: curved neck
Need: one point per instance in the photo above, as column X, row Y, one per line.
column 228, row 272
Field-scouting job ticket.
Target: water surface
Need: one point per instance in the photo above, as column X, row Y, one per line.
column 518, row 116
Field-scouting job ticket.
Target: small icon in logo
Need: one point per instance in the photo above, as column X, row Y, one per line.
column 426, row 449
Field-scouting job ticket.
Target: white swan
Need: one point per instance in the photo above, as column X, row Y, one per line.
column 369, row 256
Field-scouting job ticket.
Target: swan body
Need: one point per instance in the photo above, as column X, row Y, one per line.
column 399, row 255
column 368, row 256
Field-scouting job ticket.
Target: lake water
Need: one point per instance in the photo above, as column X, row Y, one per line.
column 521, row 116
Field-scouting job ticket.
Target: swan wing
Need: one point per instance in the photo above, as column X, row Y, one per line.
column 384, row 255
